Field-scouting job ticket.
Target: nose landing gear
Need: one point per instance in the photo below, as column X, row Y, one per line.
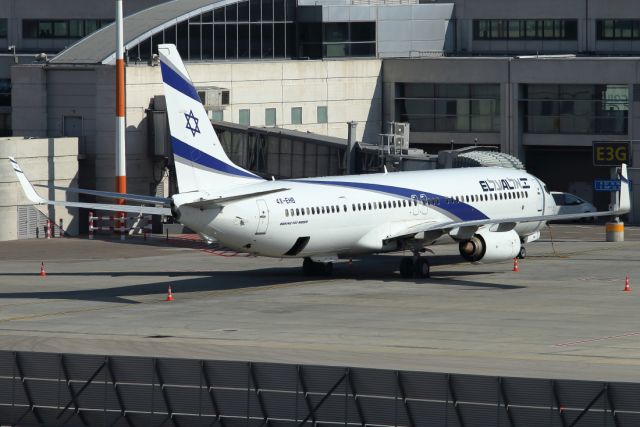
column 523, row 253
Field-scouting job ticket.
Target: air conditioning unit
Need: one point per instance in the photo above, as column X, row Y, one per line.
column 401, row 135
column 214, row 98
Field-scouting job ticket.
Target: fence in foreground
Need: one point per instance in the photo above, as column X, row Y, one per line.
column 80, row 390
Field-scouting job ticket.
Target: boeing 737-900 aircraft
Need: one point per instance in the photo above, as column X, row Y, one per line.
column 490, row 212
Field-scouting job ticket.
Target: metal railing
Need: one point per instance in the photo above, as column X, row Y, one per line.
column 71, row 389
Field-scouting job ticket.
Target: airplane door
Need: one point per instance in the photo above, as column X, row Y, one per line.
column 540, row 199
column 263, row 217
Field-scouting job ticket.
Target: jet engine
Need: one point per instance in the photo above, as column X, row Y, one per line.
column 490, row 246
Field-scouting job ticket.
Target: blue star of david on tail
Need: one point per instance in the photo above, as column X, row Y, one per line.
column 194, row 129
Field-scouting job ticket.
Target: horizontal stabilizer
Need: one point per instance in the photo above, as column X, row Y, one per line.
column 36, row 199
column 111, row 195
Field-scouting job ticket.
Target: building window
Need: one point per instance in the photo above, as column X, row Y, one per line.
column 296, row 115
column 618, row 29
column 576, row 109
column 245, row 117
column 217, row 115
column 337, row 39
column 5, row 92
column 322, row 114
column 270, row 117
column 448, row 107
column 248, row 29
column 525, row 29
column 61, row 29
column 3, row 28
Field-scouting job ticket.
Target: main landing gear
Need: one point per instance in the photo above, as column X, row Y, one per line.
column 415, row 266
column 312, row 268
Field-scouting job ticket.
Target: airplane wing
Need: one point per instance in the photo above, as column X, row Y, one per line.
column 36, row 199
column 111, row 195
column 506, row 223
column 622, row 207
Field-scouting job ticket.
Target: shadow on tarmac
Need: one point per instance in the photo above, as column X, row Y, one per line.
column 371, row 268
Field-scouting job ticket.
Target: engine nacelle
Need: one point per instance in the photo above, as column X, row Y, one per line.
column 490, row 246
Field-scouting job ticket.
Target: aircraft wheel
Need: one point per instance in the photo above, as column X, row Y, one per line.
column 421, row 268
column 523, row 253
column 312, row 268
column 309, row 267
column 406, row 268
column 326, row 268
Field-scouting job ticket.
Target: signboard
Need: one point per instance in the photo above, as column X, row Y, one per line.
column 606, row 185
column 611, row 153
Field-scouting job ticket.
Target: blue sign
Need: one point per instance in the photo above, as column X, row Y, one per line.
column 606, row 185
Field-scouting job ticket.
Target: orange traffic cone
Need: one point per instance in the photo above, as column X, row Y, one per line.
column 169, row 294
column 42, row 272
column 515, row 265
column 627, row 288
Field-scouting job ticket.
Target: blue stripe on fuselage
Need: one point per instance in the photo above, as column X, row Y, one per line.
column 461, row 210
column 178, row 82
column 192, row 154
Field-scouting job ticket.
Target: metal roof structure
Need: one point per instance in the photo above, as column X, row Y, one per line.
column 99, row 47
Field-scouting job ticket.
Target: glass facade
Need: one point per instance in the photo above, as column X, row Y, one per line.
column 3, row 28
column 618, row 29
column 525, row 29
column 60, row 29
column 448, row 107
column 576, row 109
column 337, row 39
column 256, row 29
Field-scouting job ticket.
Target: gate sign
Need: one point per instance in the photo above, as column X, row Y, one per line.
column 610, row 153
column 606, row 185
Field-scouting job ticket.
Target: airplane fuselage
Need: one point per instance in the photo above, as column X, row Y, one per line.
column 348, row 215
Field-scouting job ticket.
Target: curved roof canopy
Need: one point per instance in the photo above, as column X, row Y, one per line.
column 99, row 47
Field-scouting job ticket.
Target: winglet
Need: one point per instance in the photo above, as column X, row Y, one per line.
column 624, row 200
column 28, row 189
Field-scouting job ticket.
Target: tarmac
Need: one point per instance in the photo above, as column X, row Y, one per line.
column 563, row 315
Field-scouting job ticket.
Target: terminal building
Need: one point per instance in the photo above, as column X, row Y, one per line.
column 538, row 80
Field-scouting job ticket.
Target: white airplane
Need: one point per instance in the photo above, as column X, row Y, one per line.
column 491, row 212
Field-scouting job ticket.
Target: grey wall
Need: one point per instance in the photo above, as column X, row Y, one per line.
column 45, row 161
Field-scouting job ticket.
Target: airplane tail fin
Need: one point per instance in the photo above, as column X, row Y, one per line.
column 201, row 163
column 624, row 198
